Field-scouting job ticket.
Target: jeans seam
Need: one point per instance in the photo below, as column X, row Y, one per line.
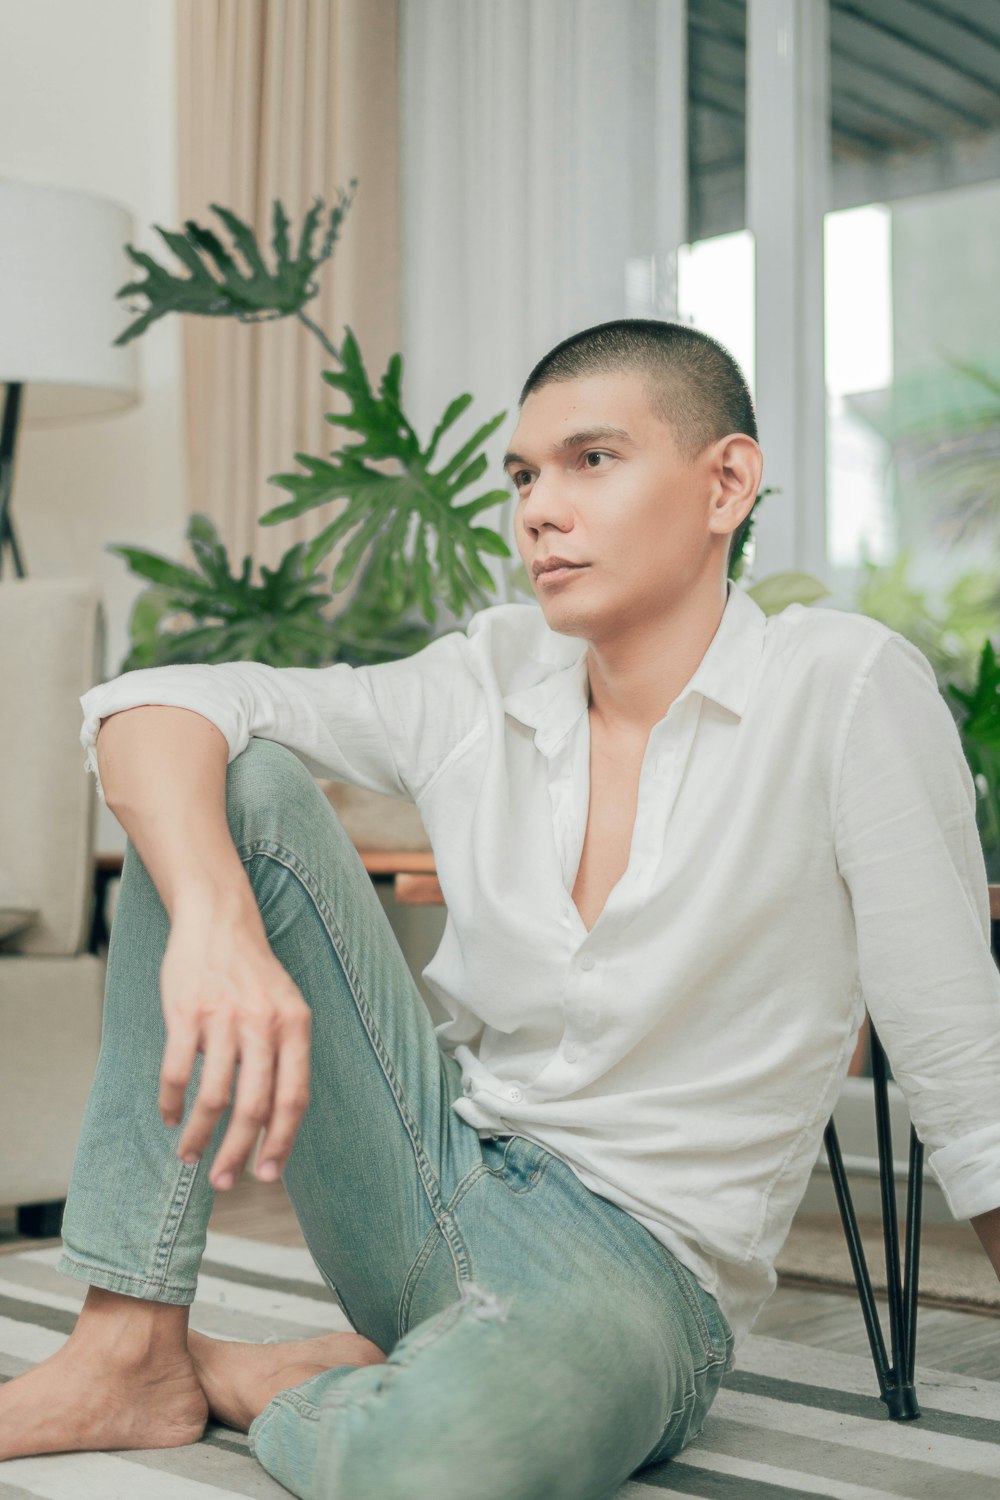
column 470, row 1179
column 173, row 1218
column 689, row 1400
column 290, row 861
column 711, row 1353
column 532, row 1182
column 412, row 1278
column 157, row 1281
column 426, row 1250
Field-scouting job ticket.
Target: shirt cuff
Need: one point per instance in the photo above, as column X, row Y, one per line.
column 126, row 692
column 968, row 1172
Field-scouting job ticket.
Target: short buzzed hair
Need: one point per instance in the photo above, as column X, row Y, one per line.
column 695, row 385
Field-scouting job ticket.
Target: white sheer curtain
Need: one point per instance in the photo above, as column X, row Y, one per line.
column 544, row 178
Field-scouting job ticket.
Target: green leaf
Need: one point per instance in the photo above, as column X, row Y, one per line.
column 475, row 441
column 245, row 241
column 451, row 415
column 160, row 569
column 279, row 620
column 326, row 541
column 279, row 233
column 490, row 541
column 217, row 285
column 351, row 555
column 983, row 721
column 401, row 566
column 422, row 575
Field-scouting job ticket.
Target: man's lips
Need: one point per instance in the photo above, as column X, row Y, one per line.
column 555, row 565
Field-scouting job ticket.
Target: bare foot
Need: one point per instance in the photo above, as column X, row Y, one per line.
column 239, row 1380
column 88, row 1397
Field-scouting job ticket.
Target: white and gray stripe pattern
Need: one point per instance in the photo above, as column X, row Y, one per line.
column 791, row 1421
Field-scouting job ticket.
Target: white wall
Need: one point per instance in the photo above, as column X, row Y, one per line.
column 87, row 101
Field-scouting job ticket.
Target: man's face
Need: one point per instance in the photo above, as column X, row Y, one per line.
column 600, row 482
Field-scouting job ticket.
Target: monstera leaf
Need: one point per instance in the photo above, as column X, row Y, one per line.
column 211, row 614
column 423, row 543
column 218, row 287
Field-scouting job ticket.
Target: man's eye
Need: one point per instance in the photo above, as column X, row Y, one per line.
column 521, row 477
column 595, row 453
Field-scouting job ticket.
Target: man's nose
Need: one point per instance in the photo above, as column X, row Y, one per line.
column 546, row 503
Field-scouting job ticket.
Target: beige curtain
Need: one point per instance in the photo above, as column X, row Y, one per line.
column 284, row 99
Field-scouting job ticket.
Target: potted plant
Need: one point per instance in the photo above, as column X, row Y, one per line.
column 413, row 541
column 405, row 509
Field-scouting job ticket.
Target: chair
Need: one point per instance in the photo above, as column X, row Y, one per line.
column 895, row 1379
column 51, row 986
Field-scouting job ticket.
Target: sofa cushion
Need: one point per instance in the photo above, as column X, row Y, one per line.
column 16, row 911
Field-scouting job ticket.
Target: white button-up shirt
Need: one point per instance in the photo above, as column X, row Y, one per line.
column 805, row 842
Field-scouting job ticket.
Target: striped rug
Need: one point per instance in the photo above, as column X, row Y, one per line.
column 790, row 1422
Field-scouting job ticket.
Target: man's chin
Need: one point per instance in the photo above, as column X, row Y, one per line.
column 565, row 620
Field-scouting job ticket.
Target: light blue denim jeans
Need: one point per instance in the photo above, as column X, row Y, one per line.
column 542, row 1344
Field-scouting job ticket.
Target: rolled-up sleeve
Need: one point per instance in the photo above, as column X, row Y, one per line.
column 908, row 848
column 386, row 727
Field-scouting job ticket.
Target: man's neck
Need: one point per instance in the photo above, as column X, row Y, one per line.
column 635, row 678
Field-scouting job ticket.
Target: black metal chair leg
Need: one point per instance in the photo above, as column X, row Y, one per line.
column 895, row 1379
column 40, row 1220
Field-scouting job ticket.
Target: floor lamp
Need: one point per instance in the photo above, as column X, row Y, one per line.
column 62, row 260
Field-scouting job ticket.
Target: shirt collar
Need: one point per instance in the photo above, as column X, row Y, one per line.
column 552, row 706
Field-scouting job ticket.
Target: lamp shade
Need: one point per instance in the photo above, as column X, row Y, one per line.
column 62, row 260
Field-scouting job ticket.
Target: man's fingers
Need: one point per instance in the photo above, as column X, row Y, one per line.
column 176, row 1069
column 251, row 1109
column 214, row 1089
column 291, row 1099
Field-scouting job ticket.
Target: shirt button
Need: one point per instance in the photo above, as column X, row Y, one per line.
column 586, row 962
column 514, row 1094
column 571, row 1053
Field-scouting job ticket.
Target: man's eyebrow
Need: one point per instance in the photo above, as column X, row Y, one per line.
column 577, row 440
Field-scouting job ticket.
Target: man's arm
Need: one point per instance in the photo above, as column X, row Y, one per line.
column 987, row 1226
column 909, row 852
column 223, row 992
column 387, row 728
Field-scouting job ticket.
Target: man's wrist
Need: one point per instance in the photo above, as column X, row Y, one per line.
column 199, row 897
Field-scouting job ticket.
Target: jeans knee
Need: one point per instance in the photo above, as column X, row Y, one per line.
column 261, row 785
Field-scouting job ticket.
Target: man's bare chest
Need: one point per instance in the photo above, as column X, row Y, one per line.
column 614, row 791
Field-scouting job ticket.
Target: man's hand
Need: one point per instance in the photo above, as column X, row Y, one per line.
column 225, row 995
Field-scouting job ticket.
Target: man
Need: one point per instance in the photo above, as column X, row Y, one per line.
column 681, row 845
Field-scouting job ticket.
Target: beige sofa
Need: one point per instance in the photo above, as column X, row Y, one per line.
column 51, row 987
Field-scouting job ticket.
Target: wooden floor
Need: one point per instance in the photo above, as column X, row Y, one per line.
column 963, row 1342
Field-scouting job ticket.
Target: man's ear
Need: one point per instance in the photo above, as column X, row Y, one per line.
column 737, row 466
